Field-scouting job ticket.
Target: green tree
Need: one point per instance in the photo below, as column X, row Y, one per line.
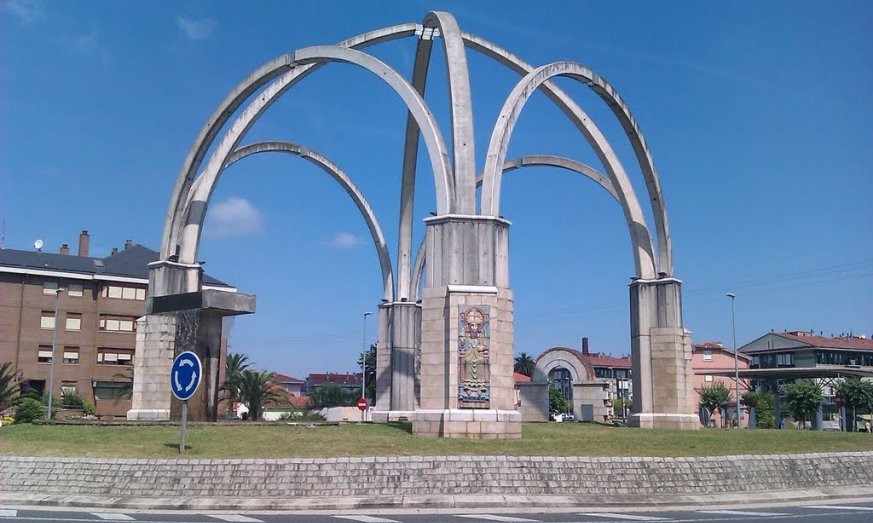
column 369, row 372
column 9, row 385
column 856, row 395
column 524, row 364
column 557, row 401
column 763, row 405
column 234, row 367
column 27, row 410
column 802, row 400
column 714, row 397
column 331, row 395
column 256, row 389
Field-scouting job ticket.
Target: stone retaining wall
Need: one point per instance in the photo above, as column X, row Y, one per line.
column 433, row 475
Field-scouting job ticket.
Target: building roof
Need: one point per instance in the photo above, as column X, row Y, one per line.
column 334, row 377
column 805, row 340
column 299, row 401
column 130, row 263
column 852, row 342
column 708, row 345
column 718, row 347
column 281, row 378
column 520, row 378
column 605, row 360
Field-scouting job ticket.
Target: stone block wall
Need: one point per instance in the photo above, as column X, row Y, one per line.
column 384, row 477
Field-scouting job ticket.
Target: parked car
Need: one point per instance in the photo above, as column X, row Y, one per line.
column 569, row 416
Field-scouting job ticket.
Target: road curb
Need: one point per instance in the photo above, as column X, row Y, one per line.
column 438, row 502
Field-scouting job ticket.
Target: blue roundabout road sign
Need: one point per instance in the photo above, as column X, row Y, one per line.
column 185, row 375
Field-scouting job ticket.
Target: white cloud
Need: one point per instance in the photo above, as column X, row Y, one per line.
column 195, row 29
column 87, row 43
column 345, row 240
column 233, row 217
column 26, row 11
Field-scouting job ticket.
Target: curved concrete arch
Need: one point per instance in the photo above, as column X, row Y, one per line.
column 461, row 116
column 595, row 138
column 347, row 184
column 644, row 257
column 562, row 357
column 195, row 213
column 511, row 165
column 234, row 99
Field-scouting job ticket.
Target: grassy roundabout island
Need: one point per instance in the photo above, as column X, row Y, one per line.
column 288, row 441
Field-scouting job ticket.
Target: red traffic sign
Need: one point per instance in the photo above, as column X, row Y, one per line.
column 362, row 404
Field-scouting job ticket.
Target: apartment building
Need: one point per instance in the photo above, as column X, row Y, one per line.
column 74, row 316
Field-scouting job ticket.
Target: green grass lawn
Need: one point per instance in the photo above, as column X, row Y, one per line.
column 276, row 441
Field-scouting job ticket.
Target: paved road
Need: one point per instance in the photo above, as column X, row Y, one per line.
column 808, row 513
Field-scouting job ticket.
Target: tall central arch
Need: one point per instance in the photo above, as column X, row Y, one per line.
column 445, row 354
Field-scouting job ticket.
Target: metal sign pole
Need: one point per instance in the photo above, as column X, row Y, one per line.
column 183, row 427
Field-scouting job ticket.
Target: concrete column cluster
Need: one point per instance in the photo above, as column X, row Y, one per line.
column 421, row 344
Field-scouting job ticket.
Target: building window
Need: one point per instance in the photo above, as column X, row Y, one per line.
column 124, row 293
column 49, row 287
column 707, row 355
column 109, row 390
column 115, row 357
column 47, row 320
column 75, row 290
column 117, row 324
column 74, row 322
column 785, row 360
column 707, row 377
column 69, row 387
column 71, row 355
column 45, row 354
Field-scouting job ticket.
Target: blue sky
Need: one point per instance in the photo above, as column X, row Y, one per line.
column 758, row 117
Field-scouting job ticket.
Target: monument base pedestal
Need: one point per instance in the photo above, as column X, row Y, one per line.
column 664, row 421
column 148, row 415
column 468, row 423
column 388, row 416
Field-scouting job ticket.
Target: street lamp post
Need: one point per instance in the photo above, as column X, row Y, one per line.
column 54, row 343
column 364, row 362
column 732, row 296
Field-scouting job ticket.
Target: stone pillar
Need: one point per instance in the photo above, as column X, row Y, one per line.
column 155, row 342
column 203, row 405
column 661, row 357
column 405, row 322
column 383, row 364
column 176, row 321
column 150, row 399
column 467, row 390
column 396, row 362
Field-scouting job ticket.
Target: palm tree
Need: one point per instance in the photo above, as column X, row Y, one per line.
column 258, row 388
column 524, row 364
column 234, row 367
column 9, row 385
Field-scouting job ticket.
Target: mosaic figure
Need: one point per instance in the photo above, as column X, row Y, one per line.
column 473, row 357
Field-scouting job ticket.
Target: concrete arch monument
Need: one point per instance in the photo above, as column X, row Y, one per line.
column 446, row 362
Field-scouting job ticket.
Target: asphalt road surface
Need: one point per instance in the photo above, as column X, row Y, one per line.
column 802, row 513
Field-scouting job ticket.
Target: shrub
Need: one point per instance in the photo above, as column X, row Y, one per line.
column 71, row 400
column 27, row 410
column 88, row 408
